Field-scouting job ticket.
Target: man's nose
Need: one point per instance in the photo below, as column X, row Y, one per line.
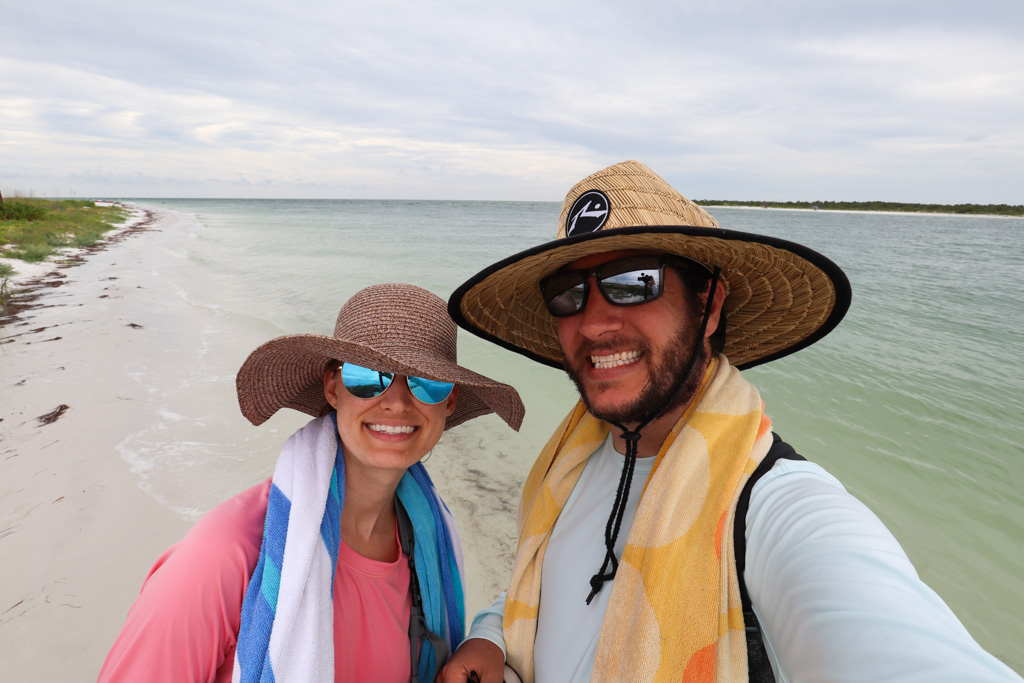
column 598, row 316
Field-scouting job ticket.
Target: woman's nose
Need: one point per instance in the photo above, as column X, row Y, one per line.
column 398, row 395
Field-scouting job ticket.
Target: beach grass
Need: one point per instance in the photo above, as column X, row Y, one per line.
column 7, row 271
column 32, row 229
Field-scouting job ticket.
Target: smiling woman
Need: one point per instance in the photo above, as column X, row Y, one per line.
column 346, row 564
column 385, row 430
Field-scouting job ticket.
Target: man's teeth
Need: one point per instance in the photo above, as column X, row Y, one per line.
column 392, row 429
column 615, row 360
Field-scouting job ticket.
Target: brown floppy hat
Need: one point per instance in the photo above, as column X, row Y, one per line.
column 780, row 296
column 396, row 328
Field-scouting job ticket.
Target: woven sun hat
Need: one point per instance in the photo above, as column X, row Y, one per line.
column 780, row 296
column 396, row 328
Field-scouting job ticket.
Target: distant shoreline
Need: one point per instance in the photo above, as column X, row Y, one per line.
column 1005, row 210
column 877, row 207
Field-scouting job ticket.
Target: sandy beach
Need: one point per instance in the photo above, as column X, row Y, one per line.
column 82, row 519
column 65, row 493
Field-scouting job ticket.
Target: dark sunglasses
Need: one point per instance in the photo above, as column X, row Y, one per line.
column 628, row 281
column 366, row 383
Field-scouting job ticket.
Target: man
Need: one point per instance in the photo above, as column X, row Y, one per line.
column 631, row 564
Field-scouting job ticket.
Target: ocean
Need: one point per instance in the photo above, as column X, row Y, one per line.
column 913, row 402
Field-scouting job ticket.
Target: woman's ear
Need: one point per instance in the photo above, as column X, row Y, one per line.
column 452, row 400
column 332, row 383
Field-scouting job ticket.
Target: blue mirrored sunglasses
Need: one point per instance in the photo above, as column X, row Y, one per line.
column 366, row 383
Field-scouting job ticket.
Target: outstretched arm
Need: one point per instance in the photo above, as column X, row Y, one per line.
column 836, row 595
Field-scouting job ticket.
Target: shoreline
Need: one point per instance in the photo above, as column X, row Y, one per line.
column 862, row 211
column 30, row 280
column 108, row 453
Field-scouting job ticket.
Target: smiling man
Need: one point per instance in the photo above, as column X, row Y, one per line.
column 625, row 361
column 645, row 550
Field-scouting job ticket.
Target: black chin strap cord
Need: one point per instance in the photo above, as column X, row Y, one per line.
column 632, row 438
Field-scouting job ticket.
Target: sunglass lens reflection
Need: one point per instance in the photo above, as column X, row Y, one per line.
column 363, row 382
column 564, row 297
column 633, row 287
column 429, row 390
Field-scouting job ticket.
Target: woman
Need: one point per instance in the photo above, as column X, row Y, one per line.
column 346, row 565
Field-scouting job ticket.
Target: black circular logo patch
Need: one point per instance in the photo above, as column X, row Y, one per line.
column 588, row 213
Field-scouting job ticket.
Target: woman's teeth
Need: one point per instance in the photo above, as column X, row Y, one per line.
column 615, row 360
column 391, row 429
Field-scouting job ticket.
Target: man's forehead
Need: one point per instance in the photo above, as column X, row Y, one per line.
column 592, row 260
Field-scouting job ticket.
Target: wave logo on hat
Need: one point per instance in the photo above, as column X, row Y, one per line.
column 589, row 213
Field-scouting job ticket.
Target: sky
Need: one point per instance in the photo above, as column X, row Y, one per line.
column 892, row 100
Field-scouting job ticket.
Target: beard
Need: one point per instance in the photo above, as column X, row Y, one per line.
column 666, row 372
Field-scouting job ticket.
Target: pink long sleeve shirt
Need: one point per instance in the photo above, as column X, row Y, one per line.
column 184, row 625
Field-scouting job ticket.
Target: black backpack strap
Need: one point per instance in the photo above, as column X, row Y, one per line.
column 418, row 629
column 758, row 665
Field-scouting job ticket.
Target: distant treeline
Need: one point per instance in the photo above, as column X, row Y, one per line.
column 995, row 209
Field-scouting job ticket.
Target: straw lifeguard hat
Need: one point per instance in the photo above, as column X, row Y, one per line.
column 780, row 296
column 390, row 327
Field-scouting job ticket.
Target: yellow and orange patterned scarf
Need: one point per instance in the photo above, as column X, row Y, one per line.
column 674, row 612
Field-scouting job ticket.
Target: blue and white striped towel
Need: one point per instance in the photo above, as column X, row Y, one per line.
column 287, row 625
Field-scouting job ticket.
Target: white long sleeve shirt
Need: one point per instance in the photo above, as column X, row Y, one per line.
column 837, row 598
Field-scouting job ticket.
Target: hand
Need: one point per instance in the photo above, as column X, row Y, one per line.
column 474, row 655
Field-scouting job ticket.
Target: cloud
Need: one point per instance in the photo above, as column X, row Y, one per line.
column 900, row 100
